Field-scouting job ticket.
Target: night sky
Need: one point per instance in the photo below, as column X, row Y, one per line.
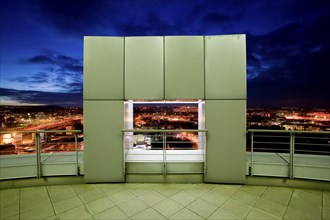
column 288, row 44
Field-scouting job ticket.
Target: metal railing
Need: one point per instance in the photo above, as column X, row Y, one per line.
column 285, row 147
column 40, row 147
column 165, row 140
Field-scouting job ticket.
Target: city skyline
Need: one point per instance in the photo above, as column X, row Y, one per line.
column 41, row 56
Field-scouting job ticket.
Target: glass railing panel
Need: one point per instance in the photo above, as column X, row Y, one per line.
column 40, row 153
column 294, row 154
column 18, row 157
column 312, row 155
column 163, row 146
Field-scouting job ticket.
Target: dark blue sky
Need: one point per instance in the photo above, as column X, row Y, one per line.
column 41, row 47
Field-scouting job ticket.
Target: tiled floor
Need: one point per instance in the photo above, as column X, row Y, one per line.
column 163, row 201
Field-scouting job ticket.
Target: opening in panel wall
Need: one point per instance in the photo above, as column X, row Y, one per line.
column 164, row 131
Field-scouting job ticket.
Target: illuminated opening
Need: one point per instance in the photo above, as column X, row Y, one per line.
column 165, row 115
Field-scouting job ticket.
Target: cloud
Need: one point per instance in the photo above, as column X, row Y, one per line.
column 58, row 73
column 46, row 98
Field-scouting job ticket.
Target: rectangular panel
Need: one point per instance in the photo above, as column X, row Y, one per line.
column 144, row 70
column 103, row 68
column 103, row 121
column 184, row 68
column 225, row 67
column 225, row 151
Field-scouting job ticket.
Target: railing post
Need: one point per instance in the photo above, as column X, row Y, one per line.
column 251, row 155
column 76, row 150
column 38, row 157
column 292, row 143
column 124, row 149
column 164, row 153
column 204, row 146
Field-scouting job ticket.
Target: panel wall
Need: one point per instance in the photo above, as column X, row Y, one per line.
column 184, row 67
column 225, row 67
column 103, row 68
column 226, row 124
column 144, row 69
column 103, row 121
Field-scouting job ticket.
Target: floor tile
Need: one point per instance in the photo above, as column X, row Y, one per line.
column 183, row 198
column 202, row 207
column 206, row 185
column 56, row 188
column 99, row 205
column 278, row 194
column 326, row 213
column 109, row 189
column 153, row 185
column 271, row 207
column 170, row 189
column 223, row 214
column 8, row 193
column 121, row 196
column 225, row 190
column 245, row 197
column 67, row 204
column 255, row 190
column 38, row 213
column 152, row 197
column 112, row 213
column 311, row 210
column 80, row 212
column 138, row 189
column 186, row 214
column 53, row 217
column 61, row 194
column 9, row 211
column 37, row 190
column 91, row 195
column 326, row 205
column 167, row 207
column 197, row 190
column 15, row 217
column 256, row 213
column 9, row 203
column 82, row 188
column 215, row 198
column 307, row 195
column 133, row 206
column 237, row 208
column 32, row 202
column 292, row 213
column 149, row 213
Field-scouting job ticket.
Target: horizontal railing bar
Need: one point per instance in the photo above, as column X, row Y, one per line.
column 311, row 144
column 268, row 163
column 259, row 142
column 261, row 148
column 285, row 131
column 41, row 131
column 163, row 130
column 268, row 136
column 306, row 137
column 312, row 151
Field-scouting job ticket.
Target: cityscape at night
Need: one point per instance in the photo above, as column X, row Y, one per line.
column 169, row 116
column 16, row 119
column 152, row 116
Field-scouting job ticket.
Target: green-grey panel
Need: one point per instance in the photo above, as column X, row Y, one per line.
column 103, row 68
column 225, row 151
column 184, row 67
column 225, row 67
column 144, row 68
column 103, row 121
